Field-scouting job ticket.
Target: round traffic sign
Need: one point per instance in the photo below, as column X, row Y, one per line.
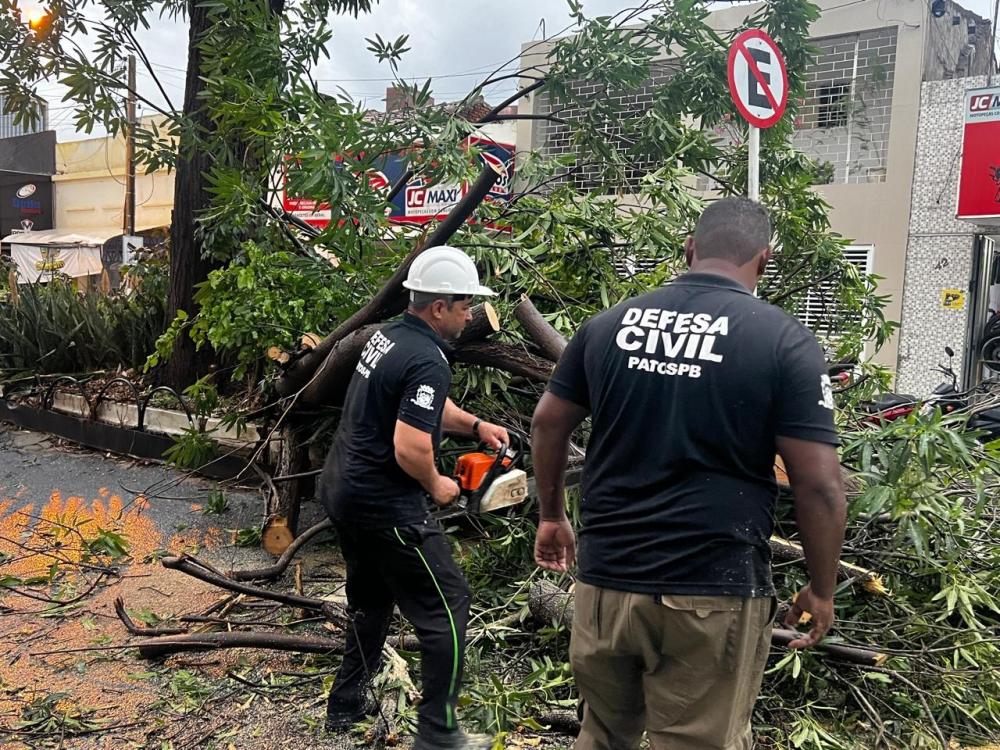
column 758, row 81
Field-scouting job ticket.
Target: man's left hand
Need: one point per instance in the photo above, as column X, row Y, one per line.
column 493, row 435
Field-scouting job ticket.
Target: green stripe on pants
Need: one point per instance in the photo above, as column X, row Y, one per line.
column 450, row 718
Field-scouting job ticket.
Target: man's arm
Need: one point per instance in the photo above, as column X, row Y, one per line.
column 461, row 422
column 552, row 426
column 821, row 515
column 415, row 456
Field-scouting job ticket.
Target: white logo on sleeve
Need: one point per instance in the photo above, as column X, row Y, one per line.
column 827, row 387
column 424, row 398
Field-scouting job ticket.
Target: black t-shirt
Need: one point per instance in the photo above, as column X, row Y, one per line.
column 688, row 386
column 403, row 374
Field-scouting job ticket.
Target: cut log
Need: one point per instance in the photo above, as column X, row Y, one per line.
column 283, row 500
column 551, row 605
column 549, row 340
column 390, row 300
column 485, row 322
column 157, row 648
column 275, row 353
column 563, row 722
column 309, row 341
column 507, row 357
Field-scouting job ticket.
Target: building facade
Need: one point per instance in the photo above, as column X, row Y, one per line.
column 90, row 188
column 9, row 129
column 952, row 268
column 26, row 166
column 858, row 119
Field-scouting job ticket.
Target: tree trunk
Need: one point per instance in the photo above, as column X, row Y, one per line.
column 507, row 357
column 284, row 501
column 485, row 322
column 187, row 266
column 548, row 339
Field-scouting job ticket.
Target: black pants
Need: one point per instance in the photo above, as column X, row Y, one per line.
column 412, row 567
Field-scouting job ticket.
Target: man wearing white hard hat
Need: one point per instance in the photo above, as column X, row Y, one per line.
column 375, row 486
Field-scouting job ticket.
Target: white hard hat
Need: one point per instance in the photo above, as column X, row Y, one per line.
column 445, row 270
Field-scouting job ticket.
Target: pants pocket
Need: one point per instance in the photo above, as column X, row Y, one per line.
column 699, row 648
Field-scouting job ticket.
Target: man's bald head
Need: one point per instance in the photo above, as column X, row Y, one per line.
column 732, row 229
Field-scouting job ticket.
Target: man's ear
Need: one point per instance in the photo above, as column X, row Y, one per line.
column 689, row 250
column 763, row 260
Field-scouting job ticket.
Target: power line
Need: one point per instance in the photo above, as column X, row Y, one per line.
column 486, row 69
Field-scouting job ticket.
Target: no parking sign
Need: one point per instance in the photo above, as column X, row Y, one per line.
column 758, row 80
column 758, row 83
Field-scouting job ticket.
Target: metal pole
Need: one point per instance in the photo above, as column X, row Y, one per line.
column 129, row 224
column 753, row 169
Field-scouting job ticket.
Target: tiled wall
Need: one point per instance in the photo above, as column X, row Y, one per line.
column 940, row 249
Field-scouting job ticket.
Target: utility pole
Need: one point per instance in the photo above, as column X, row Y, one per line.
column 129, row 224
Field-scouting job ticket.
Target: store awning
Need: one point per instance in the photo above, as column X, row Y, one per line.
column 62, row 238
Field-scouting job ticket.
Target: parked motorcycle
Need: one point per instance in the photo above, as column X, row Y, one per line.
column 887, row 407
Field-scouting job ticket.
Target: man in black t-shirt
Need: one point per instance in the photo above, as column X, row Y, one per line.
column 375, row 486
column 692, row 389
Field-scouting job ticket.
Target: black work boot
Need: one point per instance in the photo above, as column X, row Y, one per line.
column 457, row 740
column 341, row 716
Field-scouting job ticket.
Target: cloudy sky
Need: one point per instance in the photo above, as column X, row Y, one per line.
column 455, row 42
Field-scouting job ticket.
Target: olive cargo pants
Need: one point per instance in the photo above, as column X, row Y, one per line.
column 686, row 669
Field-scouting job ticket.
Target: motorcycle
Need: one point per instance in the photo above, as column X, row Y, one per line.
column 946, row 396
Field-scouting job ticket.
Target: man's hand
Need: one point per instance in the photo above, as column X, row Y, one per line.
column 555, row 545
column 446, row 491
column 493, row 435
column 821, row 611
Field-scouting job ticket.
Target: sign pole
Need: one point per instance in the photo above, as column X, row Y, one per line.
column 753, row 167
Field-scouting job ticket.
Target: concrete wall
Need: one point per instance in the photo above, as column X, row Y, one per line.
column 958, row 44
column 940, row 252
column 89, row 187
column 873, row 165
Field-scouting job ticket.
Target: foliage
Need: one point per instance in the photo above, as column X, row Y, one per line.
column 248, row 536
column 922, row 518
column 217, row 503
column 54, row 713
column 192, row 449
column 264, row 299
column 52, row 328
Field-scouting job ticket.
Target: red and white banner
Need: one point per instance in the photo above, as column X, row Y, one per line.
column 979, row 182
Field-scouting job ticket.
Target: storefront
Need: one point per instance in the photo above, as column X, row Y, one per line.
column 39, row 257
column 952, row 281
column 979, row 204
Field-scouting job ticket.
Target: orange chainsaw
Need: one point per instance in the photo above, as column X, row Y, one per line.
column 488, row 481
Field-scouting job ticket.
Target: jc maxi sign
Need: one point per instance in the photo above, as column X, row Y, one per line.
column 979, row 181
